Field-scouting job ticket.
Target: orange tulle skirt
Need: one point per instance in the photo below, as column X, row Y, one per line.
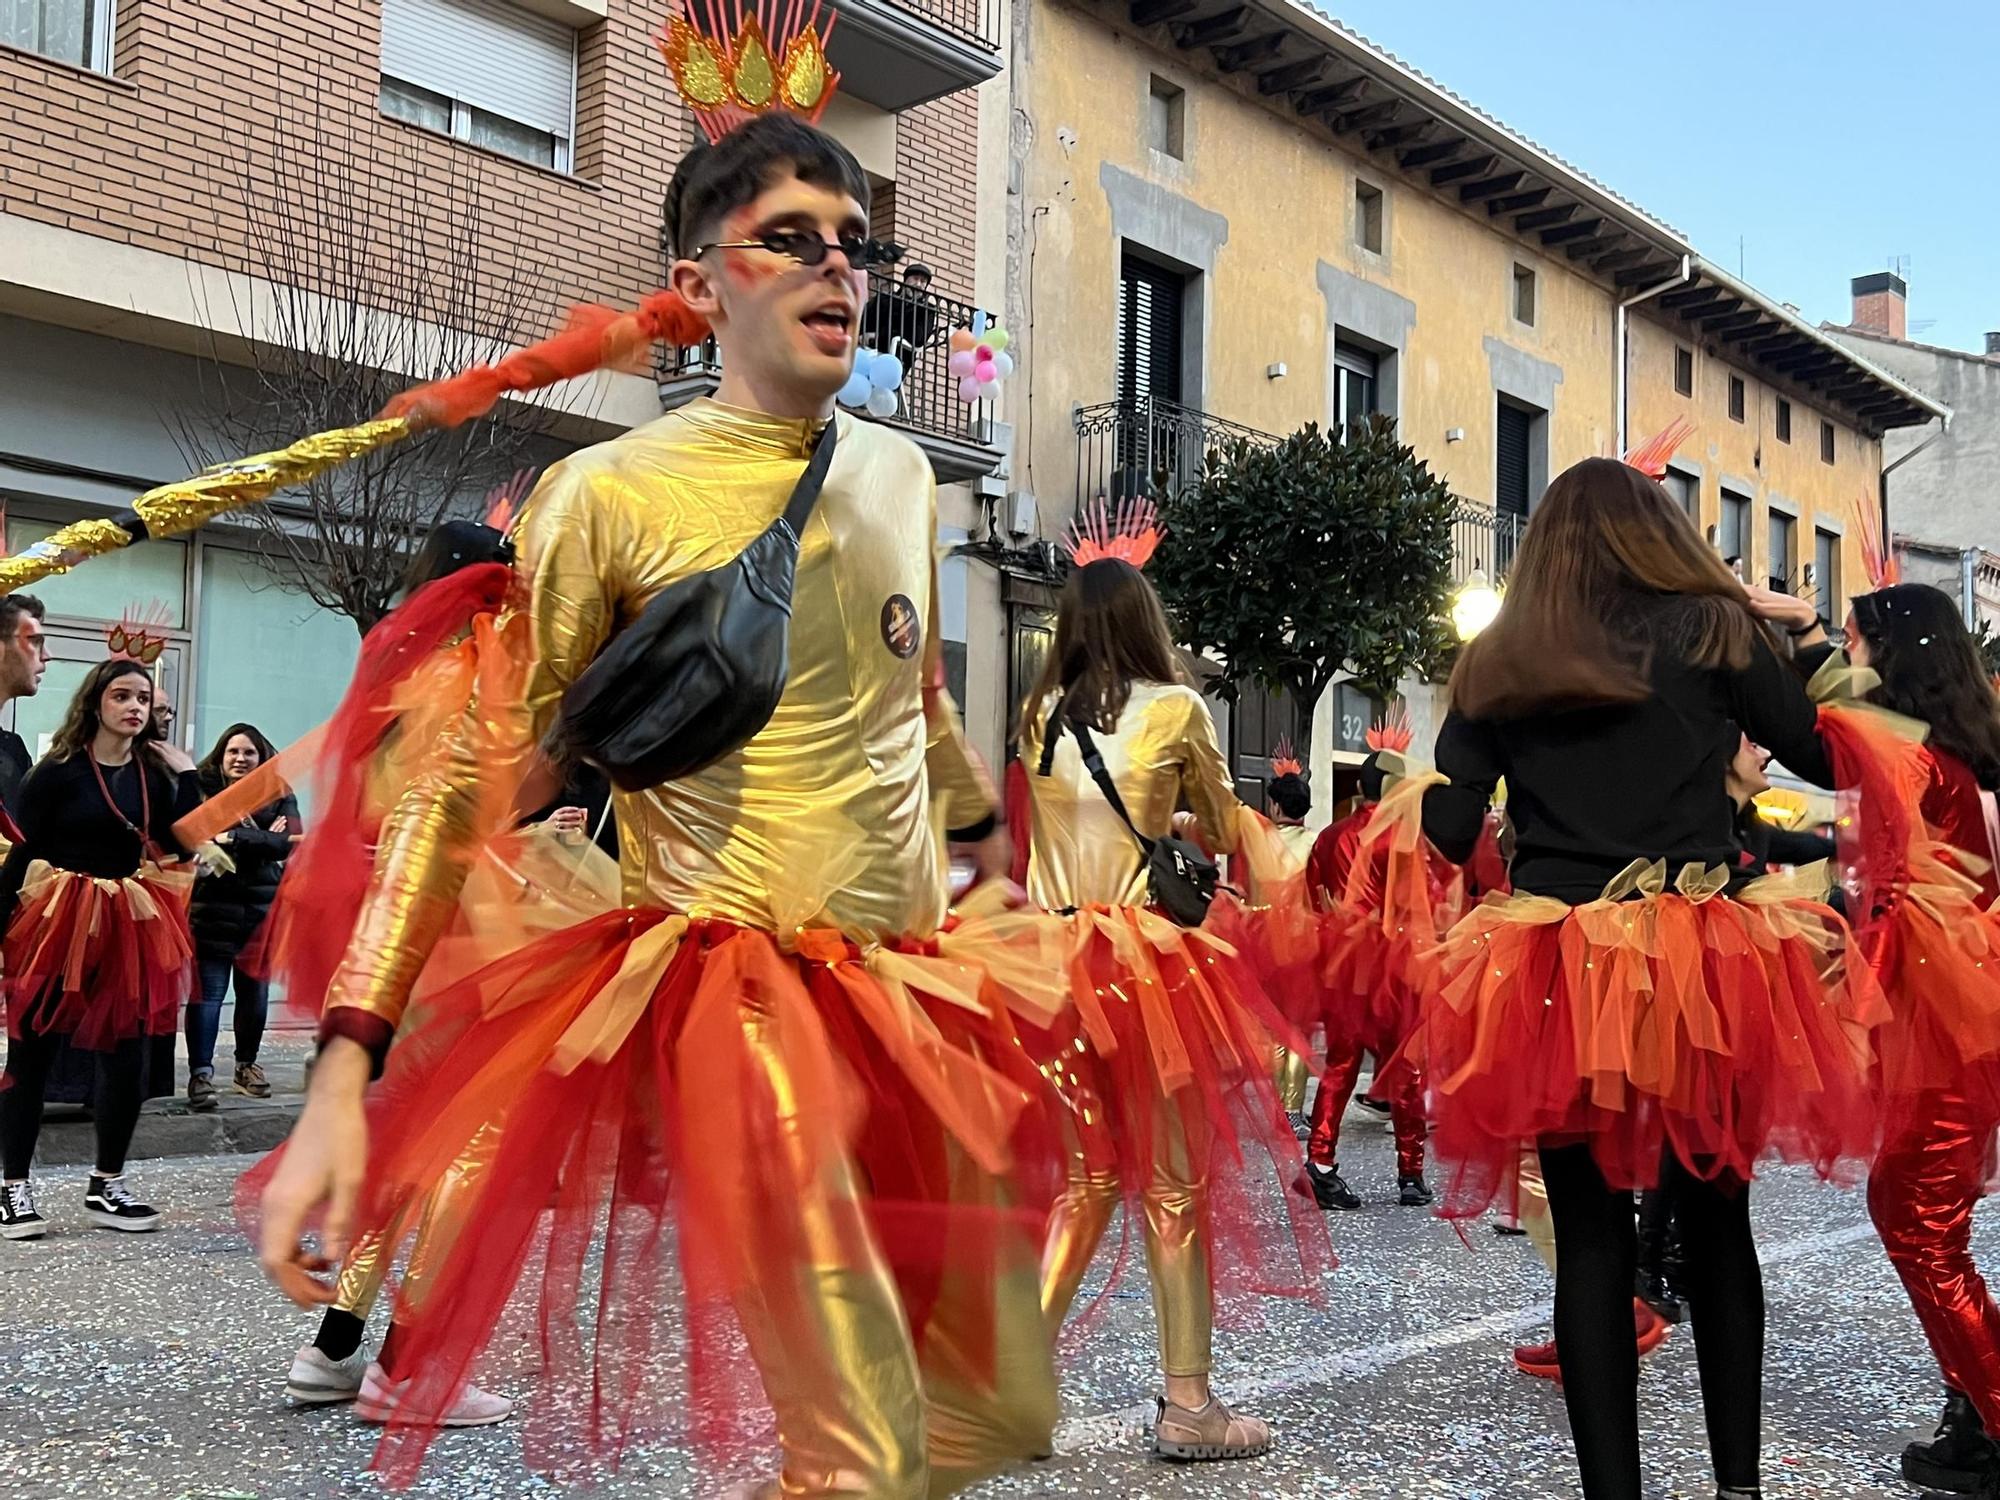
column 99, row 961
column 1720, row 1027
column 1173, row 1016
column 638, row 1071
column 1938, row 957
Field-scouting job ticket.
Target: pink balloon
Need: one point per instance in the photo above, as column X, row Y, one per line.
column 984, row 354
column 963, row 363
column 986, row 372
column 968, row 389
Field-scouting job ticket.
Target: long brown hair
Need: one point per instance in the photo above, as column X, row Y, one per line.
column 1930, row 670
column 1110, row 633
column 81, row 723
column 1604, row 537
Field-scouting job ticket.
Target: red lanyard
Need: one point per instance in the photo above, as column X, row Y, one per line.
column 145, row 801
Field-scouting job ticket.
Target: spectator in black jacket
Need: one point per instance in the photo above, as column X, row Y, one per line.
column 24, row 656
column 229, row 908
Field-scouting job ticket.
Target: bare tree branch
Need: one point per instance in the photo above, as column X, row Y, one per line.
column 353, row 300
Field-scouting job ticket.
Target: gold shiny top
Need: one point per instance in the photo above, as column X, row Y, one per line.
column 1162, row 753
column 832, row 815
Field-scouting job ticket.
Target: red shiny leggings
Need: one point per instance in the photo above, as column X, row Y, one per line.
column 1401, row 1087
column 1926, row 1182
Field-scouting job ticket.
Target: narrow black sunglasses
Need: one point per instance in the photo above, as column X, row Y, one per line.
column 808, row 249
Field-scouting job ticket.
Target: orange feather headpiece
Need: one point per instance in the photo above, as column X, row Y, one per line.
column 1285, row 760
column 1393, row 733
column 1650, row 457
column 1130, row 535
column 1881, row 563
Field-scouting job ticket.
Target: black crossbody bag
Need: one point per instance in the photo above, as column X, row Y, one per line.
column 703, row 667
column 1180, row 880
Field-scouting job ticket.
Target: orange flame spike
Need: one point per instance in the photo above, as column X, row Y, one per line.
column 1650, row 457
column 1392, row 733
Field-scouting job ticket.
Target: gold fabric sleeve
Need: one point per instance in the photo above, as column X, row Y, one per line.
column 570, row 545
column 961, row 788
column 1205, row 778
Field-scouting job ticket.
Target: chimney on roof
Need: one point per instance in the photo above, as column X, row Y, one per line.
column 1881, row 304
column 1993, row 346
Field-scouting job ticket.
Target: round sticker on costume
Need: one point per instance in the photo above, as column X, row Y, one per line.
column 900, row 630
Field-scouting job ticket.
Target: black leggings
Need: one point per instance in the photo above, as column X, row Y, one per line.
column 1596, row 1251
column 120, row 1082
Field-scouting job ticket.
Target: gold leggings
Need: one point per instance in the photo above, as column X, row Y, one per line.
column 1175, row 1203
column 367, row 1265
column 1289, row 1074
column 863, row 1408
column 1532, row 1209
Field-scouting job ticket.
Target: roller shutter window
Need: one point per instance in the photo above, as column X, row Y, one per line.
column 484, row 71
column 1515, row 433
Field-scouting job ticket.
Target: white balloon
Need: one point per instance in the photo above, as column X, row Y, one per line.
column 882, row 403
column 1003, row 363
column 988, row 389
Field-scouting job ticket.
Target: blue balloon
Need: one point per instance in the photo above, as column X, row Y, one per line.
column 885, row 372
column 855, row 392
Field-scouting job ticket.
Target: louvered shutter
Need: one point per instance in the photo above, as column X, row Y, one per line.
column 1511, row 491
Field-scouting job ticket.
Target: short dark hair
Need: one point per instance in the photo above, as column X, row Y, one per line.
column 1373, row 777
column 712, row 180
column 13, row 606
column 917, row 268
column 1290, row 794
column 453, row 545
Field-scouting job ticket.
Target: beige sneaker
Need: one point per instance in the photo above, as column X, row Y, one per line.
column 250, row 1080
column 1213, row 1432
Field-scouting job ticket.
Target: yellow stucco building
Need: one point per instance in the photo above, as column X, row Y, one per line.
column 1242, row 215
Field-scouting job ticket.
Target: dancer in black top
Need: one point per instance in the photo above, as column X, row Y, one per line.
column 1652, row 1010
column 97, row 947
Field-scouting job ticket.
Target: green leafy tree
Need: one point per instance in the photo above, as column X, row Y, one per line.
column 1989, row 646
column 1294, row 562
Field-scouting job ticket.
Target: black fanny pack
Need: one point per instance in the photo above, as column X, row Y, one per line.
column 1180, row 880
column 703, row 667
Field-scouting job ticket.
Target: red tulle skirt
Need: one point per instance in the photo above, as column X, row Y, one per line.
column 1176, row 1019
column 1718, row 1027
column 1372, row 979
column 636, row 1070
column 1939, row 964
column 98, row 961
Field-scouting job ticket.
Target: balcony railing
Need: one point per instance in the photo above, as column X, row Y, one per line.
column 1484, row 541
column 1139, row 445
column 898, row 54
column 1131, row 447
column 917, row 328
column 975, row 20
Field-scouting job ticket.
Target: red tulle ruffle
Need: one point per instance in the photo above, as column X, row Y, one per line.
column 637, row 1070
column 98, row 961
column 1165, row 1018
column 1718, row 1027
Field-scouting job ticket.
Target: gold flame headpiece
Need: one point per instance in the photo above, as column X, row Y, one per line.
column 772, row 58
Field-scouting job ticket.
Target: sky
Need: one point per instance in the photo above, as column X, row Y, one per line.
column 1824, row 139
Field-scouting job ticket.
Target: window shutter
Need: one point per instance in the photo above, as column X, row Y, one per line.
column 485, row 53
column 1515, row 431
column 1149, row 332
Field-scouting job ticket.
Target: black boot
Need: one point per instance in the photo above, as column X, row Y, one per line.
column 1330, row 1189
column 1414, row 1192
column 1651, row 1284
column 1960, row 1458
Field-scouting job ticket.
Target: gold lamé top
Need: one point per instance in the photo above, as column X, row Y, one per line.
column 1163, row 753
column 831, row 816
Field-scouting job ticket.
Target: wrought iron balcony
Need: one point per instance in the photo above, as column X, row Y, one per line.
column 1484, row 541
column 1130, row 447
column 917, row 328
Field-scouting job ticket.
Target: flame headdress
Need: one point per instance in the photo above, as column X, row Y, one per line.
column 1130, row 534
column 1285, row 760
column 1650, row 457
column 772, row 58
column 1392, row 733
column 1877, row 558
column 139, row 635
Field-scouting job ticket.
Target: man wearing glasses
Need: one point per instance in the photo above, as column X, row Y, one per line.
column 24, row 657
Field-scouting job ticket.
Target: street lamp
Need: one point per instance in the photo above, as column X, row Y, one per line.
column 1474, row 605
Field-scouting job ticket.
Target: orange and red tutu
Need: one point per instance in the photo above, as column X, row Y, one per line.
column 637, row 1069
column 100, row 961
column 1167, row 1018
column 1721, row 1027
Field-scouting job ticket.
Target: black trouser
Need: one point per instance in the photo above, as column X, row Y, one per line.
column 120, row 1084
column 1596, row 1252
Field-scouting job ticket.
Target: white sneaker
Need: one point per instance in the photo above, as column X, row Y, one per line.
column 318, row 1379
column 380, row 1396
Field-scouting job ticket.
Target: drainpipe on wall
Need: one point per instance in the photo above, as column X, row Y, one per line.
column 1968, row 586
column 1621, row 337
column 1882, row 500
